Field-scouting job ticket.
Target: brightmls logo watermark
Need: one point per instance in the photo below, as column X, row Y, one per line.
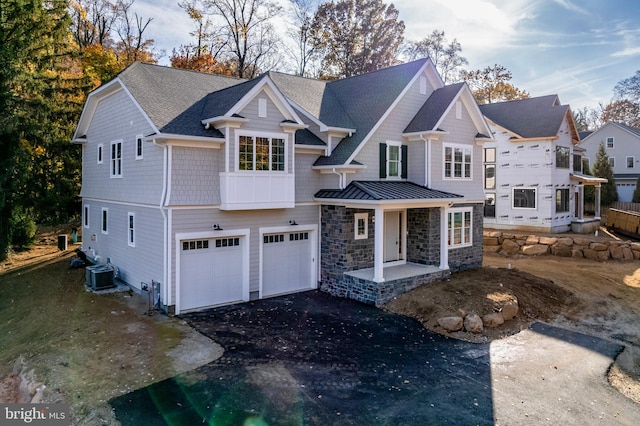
column 35, row 414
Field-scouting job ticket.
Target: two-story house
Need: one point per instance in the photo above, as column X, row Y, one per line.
column 622, row 145
column 533, row 176
column 226, row 190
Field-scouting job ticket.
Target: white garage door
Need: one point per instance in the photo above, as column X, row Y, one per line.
column 287, row 263
column 211, row 272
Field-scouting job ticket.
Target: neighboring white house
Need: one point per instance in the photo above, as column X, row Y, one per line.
column 622, row 144
column 533, row 176
column 226, row 190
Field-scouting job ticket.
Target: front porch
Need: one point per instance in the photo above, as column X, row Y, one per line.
column 360, row 284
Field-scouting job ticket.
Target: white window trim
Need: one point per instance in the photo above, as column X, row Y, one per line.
column 524, row 208
column 450, row 232
column 633, row 162
column 85, row 218
column 100, row 154
column 606, row 142
column 454, row 146
column 612, row 161
column 113, row 160
column 358, row 217
column 400, row 165
column 140, row 141
column 104, row 214
column 131, row 230
column 254, row 134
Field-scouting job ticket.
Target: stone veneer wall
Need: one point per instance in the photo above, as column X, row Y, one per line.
column 464, row 258
column 342, row 253
column 563, row 246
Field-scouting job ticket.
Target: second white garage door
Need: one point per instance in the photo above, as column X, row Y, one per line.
column 211, row 272
column 288, row 263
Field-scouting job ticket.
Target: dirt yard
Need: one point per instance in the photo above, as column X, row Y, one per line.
column 71, row 345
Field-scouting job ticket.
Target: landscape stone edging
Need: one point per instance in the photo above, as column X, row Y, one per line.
column 563, row 246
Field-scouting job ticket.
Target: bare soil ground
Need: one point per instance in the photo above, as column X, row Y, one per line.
column 66, row 344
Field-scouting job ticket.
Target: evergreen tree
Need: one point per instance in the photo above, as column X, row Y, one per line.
column 41, row 96
column 602, row 168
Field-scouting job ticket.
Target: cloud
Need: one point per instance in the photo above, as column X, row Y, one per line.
column 567, row 4
column 629, row 51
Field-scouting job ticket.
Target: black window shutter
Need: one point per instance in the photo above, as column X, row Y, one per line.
column 383, row 161
column 404, row 161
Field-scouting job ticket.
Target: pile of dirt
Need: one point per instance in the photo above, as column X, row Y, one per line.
column 481, row 292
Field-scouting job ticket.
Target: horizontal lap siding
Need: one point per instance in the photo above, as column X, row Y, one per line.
column 117, row 117
column 144, row 262
column 202, row 220
column 391, row 130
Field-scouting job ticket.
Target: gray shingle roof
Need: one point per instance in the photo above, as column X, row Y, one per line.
column 529, row 118
column 630, row 129
column 384, row 190
column 174, row 98
column 306, row 137
column 366, row 98
column 433, row 109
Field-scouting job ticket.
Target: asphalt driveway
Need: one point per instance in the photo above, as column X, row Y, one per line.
column 313, row 359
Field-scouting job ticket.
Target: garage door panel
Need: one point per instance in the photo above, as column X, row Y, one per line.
column 287, row 263
column 211, row 272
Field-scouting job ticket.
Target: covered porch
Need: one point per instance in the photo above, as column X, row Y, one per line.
column 580, row 223
column 381, row 239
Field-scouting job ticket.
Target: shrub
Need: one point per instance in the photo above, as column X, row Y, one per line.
column 22, row 228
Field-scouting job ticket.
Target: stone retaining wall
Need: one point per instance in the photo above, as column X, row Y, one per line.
column 564, row 246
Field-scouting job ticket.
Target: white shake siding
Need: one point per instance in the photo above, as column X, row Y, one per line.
column 143, row 262
column 461, row 132
column 202, row 220
column 117, row 118
column 391, row 130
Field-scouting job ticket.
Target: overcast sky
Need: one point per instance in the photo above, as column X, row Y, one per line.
column 577, row 49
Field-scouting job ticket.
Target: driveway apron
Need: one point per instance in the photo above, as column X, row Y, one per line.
column 312, row 359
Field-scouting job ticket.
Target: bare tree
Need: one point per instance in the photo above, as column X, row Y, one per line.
column 444, row 55
column 304, row 51
column 133, row 46
column 92, row 21
column 247, row 32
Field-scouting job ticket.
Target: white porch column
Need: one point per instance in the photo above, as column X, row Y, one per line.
column 444, row 238
column 580, row 202
column 598, row 201
column 378, row 257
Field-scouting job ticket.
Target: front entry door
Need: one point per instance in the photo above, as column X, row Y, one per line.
column 393, row 236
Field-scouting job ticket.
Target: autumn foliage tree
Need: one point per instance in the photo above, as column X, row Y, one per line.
column 491, row 84
column 357, row 36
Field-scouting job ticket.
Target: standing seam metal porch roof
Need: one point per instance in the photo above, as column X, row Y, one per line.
column 384, row 190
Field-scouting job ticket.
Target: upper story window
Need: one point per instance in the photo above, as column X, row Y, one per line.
column 609, row 142
column 524, row 198
column 116, row 159
column 577, row 163
column 139, row 147
column 261, row 153
column 562, row 157
column 631, row 162
column 393, row 160
column 457, row 161
column 100, row 149
column 489, row 163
